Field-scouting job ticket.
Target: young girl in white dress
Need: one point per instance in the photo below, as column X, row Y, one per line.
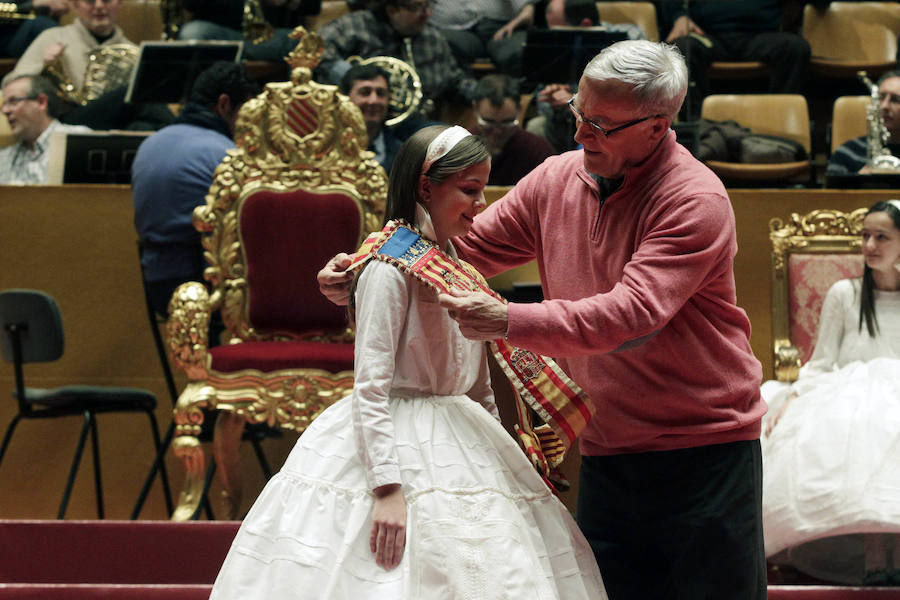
column 831, row 456
column 410, row 488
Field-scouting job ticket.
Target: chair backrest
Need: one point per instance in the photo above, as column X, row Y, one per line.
column 642, row 14
column 853, row 31
column 36, row 316
column 299, row 187
column 783, row 115
column 809, row 254
column 848, row 119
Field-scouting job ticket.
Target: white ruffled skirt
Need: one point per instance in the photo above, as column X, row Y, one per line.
column 481, row 523
column 831, row 469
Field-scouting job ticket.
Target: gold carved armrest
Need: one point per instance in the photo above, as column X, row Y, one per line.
column 187, row 330
column 787, row 361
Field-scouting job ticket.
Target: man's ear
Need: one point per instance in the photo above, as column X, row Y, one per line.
column 659, row 128
column 43, row 101
column 223, row 106
column 423, row 189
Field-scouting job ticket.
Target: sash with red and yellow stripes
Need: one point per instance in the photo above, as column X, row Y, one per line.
column 538, row 382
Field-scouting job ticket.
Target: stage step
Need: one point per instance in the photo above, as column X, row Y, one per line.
column 823, row 592
column 74, row 591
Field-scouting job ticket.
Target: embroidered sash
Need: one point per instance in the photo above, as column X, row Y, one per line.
column 538, row 382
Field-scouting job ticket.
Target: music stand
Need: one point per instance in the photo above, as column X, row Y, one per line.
column 165, row 71
column 92, row 156
column 559, row 55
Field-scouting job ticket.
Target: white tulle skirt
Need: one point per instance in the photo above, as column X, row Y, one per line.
column 481, row 523
column 831, row 469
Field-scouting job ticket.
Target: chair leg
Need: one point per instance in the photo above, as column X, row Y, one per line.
column 98, row 479
column 75, row 462
column 158, row 464
column 204, row 495
column 261, row 456
column 8, row 436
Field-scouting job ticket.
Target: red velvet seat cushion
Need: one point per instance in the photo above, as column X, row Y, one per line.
column 287, row 237
column 274, row 356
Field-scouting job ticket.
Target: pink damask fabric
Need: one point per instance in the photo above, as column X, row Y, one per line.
column 810, row 276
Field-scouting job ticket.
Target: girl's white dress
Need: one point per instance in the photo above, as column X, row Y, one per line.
column 481, row 523
column 831, row 466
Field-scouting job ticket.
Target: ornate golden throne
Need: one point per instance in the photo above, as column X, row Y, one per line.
column 299, row 188
column 809, row 254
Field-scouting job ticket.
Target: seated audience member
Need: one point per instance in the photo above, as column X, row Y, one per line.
column 30, row 105
column 68, row 48
column 735, row 31
column 171, row 175
column 397, row 28
column 852, row 156
column 16, row 35
column 367, row 87
column 223, row 20
column 831, row 499
column 554, row 121
column 485, row 28
column 514, row 151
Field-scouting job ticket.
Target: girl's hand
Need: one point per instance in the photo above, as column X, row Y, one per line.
column 777, row 416
column 388, row 539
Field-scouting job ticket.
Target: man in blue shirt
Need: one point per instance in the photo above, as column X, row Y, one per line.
column 171, row 175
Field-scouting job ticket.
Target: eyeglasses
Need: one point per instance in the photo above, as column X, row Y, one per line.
column 597, row 127
column 14, row 101
column 482, row 122
column 416, row 7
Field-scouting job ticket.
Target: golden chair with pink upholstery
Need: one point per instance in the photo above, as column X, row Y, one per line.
column 299, row 187
column 809, row 254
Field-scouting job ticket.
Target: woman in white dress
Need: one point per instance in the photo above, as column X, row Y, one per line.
column 410, row 487
column 831, row 454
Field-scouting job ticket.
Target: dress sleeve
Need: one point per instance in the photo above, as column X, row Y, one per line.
column 482, row 392
column 382, row 300
column 830, row 333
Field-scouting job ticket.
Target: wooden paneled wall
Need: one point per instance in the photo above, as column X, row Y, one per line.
column 78, row 243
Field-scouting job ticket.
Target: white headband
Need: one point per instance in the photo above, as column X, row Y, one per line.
column 894, row 203
column 442, row 144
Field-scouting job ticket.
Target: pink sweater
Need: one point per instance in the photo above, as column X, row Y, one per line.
column 650, row 269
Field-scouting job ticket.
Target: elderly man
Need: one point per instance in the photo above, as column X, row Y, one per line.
column 397, row 28
column 853, row 156
column 367, row 87
column 635, row 242
column 30, row 105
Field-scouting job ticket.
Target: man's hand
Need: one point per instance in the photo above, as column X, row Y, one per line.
column 682, row 27
column 334, row 280
column 556, row 94
column 480, row 316
column 53, row 51
column 388, row 538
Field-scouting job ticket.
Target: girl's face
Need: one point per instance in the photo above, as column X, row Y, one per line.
column 880, row 241
column 454, row 202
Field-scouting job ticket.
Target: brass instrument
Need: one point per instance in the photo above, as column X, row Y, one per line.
column 9, row 11
column 108, row 68
column 880, row 159
column 256, row 28
column 405, row 86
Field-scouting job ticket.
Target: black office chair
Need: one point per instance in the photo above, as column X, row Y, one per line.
column 33, row 332
column 255, row 434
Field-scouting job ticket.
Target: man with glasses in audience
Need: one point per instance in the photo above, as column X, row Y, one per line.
column 30, row 105
column 397, row 28
column 635, row 242
column 514, row 151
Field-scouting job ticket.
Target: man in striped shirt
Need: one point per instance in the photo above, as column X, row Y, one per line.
column 30, row 105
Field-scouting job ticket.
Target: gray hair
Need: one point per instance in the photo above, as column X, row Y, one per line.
column 655, row 71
